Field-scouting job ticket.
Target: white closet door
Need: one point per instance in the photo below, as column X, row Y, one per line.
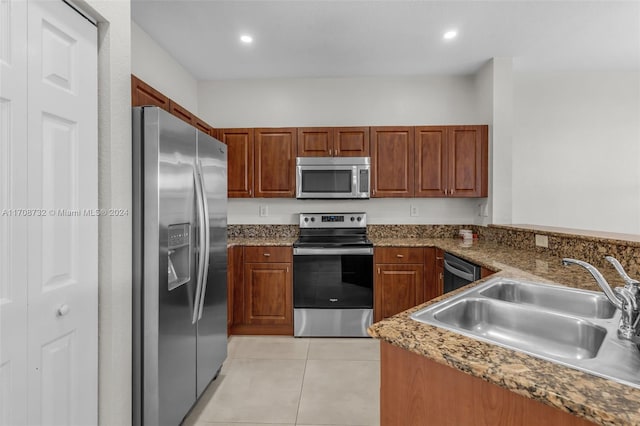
column 63, row 245
column 13, row 203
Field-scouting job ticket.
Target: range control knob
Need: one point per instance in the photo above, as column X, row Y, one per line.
column 359, row 219
column 313, row 219
column 353, row 218
column 306, row 219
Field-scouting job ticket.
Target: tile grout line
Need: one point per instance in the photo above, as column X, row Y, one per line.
column 304, row 373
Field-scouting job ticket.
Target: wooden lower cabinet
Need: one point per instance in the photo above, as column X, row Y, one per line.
column 262, row 291
column 403, row 278
column 416, row 391
column 397, row 288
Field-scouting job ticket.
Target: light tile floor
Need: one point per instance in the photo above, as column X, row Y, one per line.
column 285, row 381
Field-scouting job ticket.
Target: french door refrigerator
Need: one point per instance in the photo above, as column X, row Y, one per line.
column 179, row 265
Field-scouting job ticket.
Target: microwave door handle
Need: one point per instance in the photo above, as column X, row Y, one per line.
column 354, row 181
column 207, row 242
column 201, row 239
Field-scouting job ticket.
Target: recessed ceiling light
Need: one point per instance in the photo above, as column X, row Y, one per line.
column 246, row 39
column 449, row 35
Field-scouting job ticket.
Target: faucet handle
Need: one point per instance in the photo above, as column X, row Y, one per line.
column 627, row 279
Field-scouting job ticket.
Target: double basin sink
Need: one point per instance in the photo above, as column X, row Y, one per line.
column 572, row 327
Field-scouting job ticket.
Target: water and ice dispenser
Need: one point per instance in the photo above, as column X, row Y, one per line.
column 179, row 261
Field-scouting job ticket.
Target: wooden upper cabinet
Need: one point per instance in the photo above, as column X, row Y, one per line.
column 142, row 94
column 333, row 142
column 431, row 164
column 315, row 142
column 468, row 161
column 274, row 162
column 351, row 141
column 451, row 161
column 392, row 158
column 180, row 112
column 201, row 125
column 240, row 153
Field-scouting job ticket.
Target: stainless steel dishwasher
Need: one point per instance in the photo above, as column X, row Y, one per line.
column 458, row 272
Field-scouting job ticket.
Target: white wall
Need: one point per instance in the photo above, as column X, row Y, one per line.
column 338, row 101
column 345, row 102
column 114, row 175
column 380, row 211
column 151, row 63
column 576, row 150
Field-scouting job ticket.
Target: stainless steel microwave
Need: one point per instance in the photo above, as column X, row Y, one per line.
column 333, row 177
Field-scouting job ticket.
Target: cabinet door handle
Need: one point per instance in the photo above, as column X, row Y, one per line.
column 400, row 255
column 250, row 191
column 266, row 254
column 378, row 271
column 452, row 191
column 330, row 152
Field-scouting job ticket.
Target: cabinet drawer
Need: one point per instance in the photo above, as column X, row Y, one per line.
column 399, row 255
column 254, row 254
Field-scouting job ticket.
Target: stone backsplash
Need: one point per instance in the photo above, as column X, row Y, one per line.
column 262, row 231
column 588, row 248
column 417, row 231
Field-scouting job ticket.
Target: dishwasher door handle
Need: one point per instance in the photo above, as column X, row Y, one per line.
column 458, row 273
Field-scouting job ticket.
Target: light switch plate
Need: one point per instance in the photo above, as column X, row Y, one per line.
column 264, row 210
column 414, row 210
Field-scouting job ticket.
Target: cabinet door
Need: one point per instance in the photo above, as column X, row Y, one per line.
column 392, row 157
column 351, row 141
column 397, row 287
column 438, row 272
column 431, row 164
column 142, row 94
column 315, row 142
column 275, row 153
column 239, row 161
column 268, row 294
column 467, row 161
column 235, row 287
column 433, row 282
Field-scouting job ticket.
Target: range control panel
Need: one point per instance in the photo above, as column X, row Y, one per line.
column 333, row 220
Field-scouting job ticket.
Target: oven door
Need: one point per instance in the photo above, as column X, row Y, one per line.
column 325, row 278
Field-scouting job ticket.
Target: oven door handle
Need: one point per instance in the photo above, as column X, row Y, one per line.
column 320, row 251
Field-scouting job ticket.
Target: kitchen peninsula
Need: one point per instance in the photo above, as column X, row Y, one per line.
column 416, row 351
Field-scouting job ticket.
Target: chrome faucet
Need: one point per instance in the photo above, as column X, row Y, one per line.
column 626, row 298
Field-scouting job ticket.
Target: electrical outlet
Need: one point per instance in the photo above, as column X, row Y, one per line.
column 264, row 210
column 483, row 210
column 414, row 210
column 542, row 241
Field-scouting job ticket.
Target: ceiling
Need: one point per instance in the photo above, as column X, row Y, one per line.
column 344, row 38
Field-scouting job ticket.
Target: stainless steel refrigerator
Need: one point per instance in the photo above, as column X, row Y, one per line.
column 179, row 264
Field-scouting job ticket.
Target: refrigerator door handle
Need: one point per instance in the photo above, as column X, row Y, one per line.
column 207, row 240
column 202, row 231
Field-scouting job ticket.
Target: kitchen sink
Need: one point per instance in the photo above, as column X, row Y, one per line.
column 569, row 300
column 572, row 327
column 530, row 329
